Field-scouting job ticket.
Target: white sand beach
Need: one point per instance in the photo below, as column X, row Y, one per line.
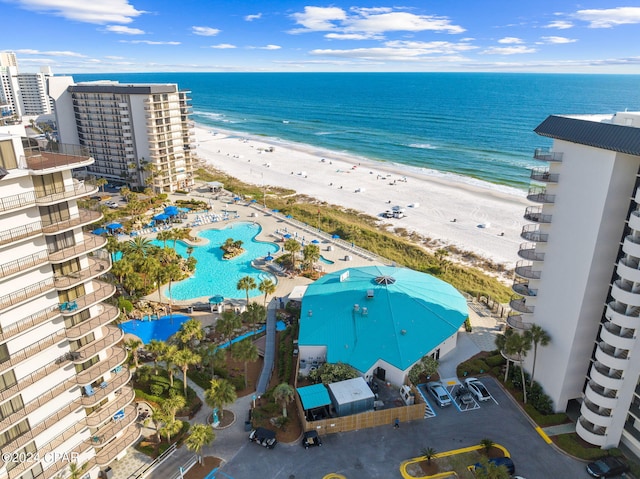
column 469, row 214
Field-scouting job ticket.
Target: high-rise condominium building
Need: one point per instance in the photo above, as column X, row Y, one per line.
column 64, row 393
column 579, row 278
column 23, row 94
column 138, row 134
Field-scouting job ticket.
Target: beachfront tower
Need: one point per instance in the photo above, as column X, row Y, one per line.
column 64, row 390
column 139, row 134
column 579, row 277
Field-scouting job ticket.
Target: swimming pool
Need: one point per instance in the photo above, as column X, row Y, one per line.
column 214, row 275
column 161, row 329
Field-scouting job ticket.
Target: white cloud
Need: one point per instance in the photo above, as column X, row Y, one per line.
column 319, row 18
column 205, row 31
column 122, row 30
column 270, row 47
column 558, row 40
column 609, row 17
column 559, row 24
column 400, row 50
column 112, row 57
column 94, row 11
column 508, row 50
column 223, row 46
column 353, row 36
column 50, row 53
column 250, row 18
column 510, row 40
column 149, row 42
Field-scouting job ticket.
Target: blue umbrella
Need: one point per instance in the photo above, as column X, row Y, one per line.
column 315, row 241
column 237, row 198
column 99, row 231
column 268, row 258
column 335, row 237
column 161, row 217
column 254, row 201
column 114, row 226
column 171, row 210
column 288, row 216
column 276, row 211
column 217, row 299
column 286, row 236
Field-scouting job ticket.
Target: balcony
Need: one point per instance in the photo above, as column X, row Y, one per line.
column 629, row 269
column 103, row 414
column 9, row 331
column 526, row 270
column 115, row 357
column 589, row 432
column 631, row 245
column 26, row 294
column 16, row 202
column 112, row 450
column 532, row 233
column 17, row 357
column 622, row 291
column 634, row 220
column 23, row 264
column 84, row 217
column 528, row 251
column 113, row 385
column 523, row 289
column 20, row 233
column 97, row 267
column 112, row 336
column 623, row 315
column 612, row 357
column 90, row 243
column 601, row 396
column 617, row 337
column 55, row 156
column 109, row 314
column 540, row 195
column 534, row 213
column 546, row 154
column 519, row 304
column 598, row 416
column 78, row 190
column 516, row 322
column 606, row 377
column 542, row 174
column 102, row 291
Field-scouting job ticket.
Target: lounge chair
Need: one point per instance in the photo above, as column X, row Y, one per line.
column 88, row 390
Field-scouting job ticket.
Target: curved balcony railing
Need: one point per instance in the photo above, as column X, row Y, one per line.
column 540, row 195
column 623, row 315
column 46, row 314
column 534, row 213
column 614, row 335
column 532, row 233
column 55, row 156
column 82, row 218
column 634, row 220
column 526, row 271
column 519, row 304
column 631, row 245
column 516, row 322
column 15, row 202
column 112, row 336
column 116, row 356
column 26, row 294
column 546, row 154
column 607, row 377
column 24, row 263
column 591, row 433
column 596, row 415
column 90, row 243
column 109, row 314
column 523, row 289
column 108, row 453
column 528, row 251
column 79, row 189
column 115, row 383
column 20, row 232
column 97, row 267
column 542, row 174
column 600, row 395
column 106, row 412
column 17, row 357
column 624, row 292
column 110, row 430
column 101, row 292
column 629, row 269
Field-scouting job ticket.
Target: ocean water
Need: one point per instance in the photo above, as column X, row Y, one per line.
column 479, row 125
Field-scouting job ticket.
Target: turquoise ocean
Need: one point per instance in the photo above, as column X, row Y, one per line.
column 478, row 125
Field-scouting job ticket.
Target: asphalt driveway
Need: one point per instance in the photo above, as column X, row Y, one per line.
column 377, row 453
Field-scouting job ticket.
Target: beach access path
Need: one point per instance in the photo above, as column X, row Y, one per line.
column 454, row 210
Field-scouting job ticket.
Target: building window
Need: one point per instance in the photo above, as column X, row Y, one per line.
column 9, row 407
column 14, row 432
column 7, row 380
column 8, row 159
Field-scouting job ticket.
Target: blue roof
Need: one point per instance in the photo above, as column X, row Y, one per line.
column 314, row 396
column 407, row 316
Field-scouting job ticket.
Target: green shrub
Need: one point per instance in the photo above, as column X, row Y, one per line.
column 495, row 360
column 545, row 420
column 156, row 389
column 467, row 325
column 572, row 444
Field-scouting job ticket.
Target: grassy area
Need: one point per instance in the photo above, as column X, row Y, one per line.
column 575, row 446
column 404, row 248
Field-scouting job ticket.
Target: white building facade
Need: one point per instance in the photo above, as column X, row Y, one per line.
column 64, row 386
column 23, row 94
column 139, row 134
column 579, row 278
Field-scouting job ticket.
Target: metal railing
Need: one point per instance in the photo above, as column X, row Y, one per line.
column 81, row 188
column 25, row 353
column 116, row 356
column 90, row 243
column 24, row 263
column 20, row 232
column 114, row 334
column 52, row 154
column 107, row 411
column 545, row 154
column 26, row 293
column 532, row 233
column 111, row 450
column 83, row 217
column 534, row 213
column 40, row 317
column 108, row 315
column 8, row 203
column 542, row 174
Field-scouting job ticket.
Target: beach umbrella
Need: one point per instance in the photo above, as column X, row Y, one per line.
column 237, row 198
column 315, row 241
column 288, row 216
column 335, row 236
column 161, row 217
column 286, row 236
column 113, row 226
column 275, row 211
column 99, row 231
column 217, row 299
column 268, row 258
column 171, row 210
column 254, row 201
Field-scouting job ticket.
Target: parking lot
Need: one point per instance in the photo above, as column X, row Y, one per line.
column 377, row 452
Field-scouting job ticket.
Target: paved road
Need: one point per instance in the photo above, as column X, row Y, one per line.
column 377, row 453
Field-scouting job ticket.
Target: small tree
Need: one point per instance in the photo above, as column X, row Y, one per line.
column 486, row 444
column 283, row 394
column 490, row 470
column 536, row 336
column 156, row 348
column 219, row 394
column 133, row 345
column 247, row 283
column 200, row 435
column 267, row 287
column 244, row 351
column 183, row 359
column 428, row 453
column 292, row 246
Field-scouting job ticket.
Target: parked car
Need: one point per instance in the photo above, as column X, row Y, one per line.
column 498, row 461
column 439, row 393
column 463, row 395
column 477, row 389
column 310, row 439
column 264, row 437
column 607, row 467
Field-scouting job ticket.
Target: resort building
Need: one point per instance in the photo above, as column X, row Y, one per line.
column 579, row 278
column 381, row 320
column 23, row 94
column 64, row 391
column 138, row 134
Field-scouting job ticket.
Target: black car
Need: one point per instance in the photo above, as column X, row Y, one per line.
column 264, row 437
column 310, row 439
column 607, row 467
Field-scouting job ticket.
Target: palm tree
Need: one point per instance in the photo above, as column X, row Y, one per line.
column 189, row 251
column 213, row 356
column 183, row 359
column 200, row 435
column 113, row 246
column 168, row 354
column 138, row 246
column 536, row 336
column 247, row 283
column 310, row 254
column 255, row 313
column 156, row 348
column 189, row 331
column 75, row 471
column 170, row 428
column 172, row 405
column 292, row 246
column 491, row 470
column 174, row 273
column 122, row 268
column 227, row 323
column 164, row 236
column 219, row 394
column 244, row 351
column 267, row 287
column 283, row 394
column 100, row 182
column 517, row 345
column 486, row 444
column 500, row 342
column 133, row 345
column 428, row 453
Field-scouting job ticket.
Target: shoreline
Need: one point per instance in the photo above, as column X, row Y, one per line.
column 450, row 209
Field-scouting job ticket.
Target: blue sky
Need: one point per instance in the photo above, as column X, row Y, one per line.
column 91, row 36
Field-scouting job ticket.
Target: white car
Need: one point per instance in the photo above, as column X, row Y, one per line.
column 477, row 389
column 439, row 393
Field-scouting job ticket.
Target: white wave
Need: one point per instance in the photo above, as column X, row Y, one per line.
column 423, row 146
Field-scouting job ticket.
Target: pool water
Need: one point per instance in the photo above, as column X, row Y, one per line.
column 161, row 329
column 215, row 276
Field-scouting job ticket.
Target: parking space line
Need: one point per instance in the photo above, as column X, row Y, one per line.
column 543, row 435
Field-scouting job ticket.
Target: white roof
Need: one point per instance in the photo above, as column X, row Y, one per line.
column 350, row 390
column 297, row 293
